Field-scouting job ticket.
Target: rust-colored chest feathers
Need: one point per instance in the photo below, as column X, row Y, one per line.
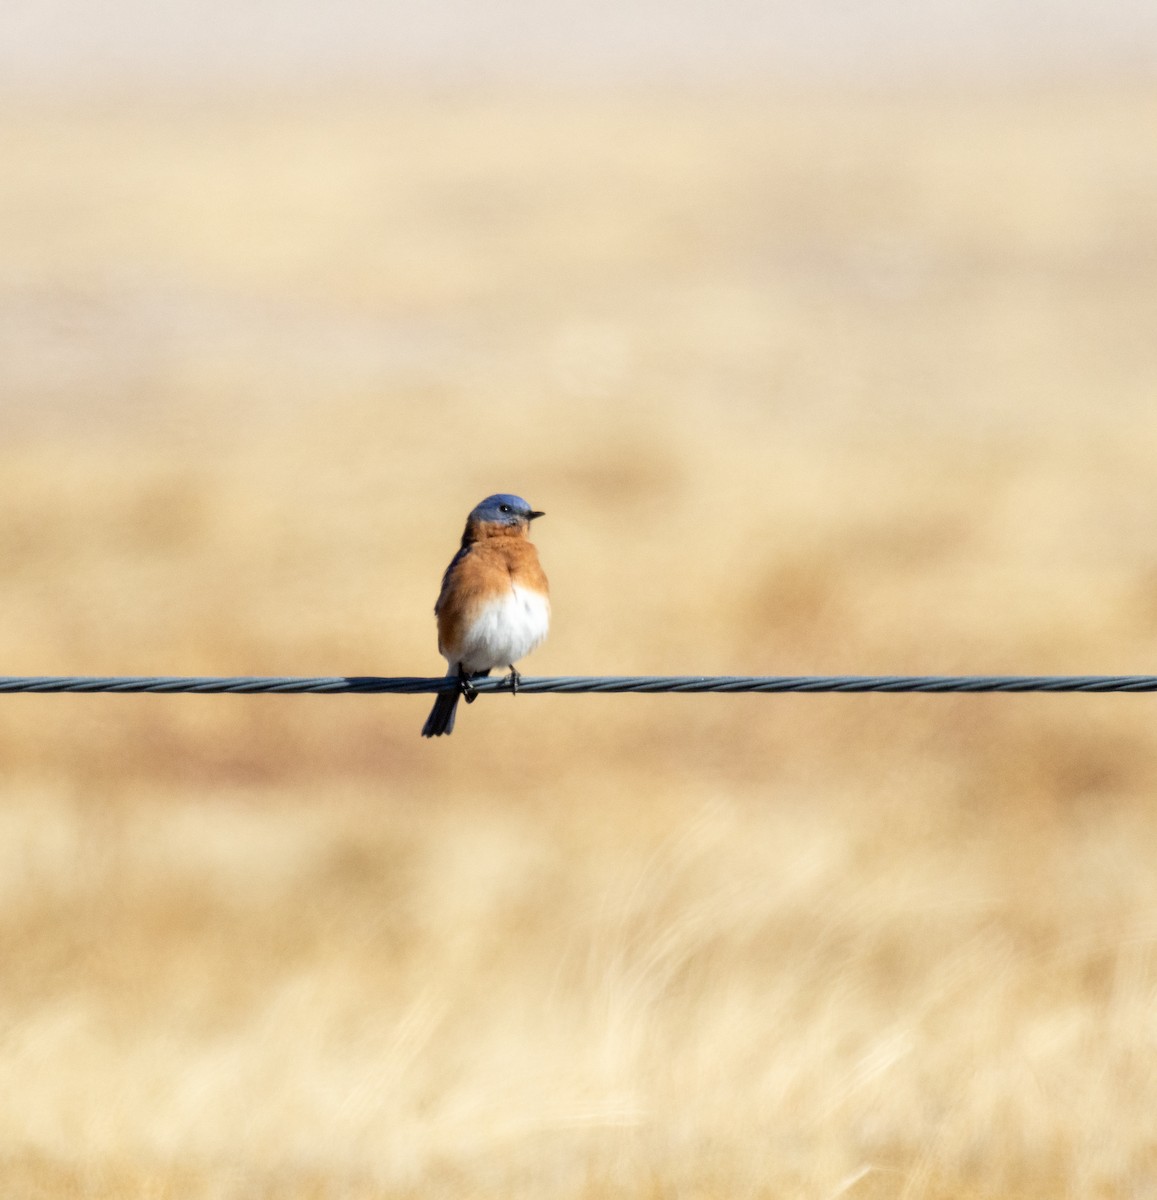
column 494, row 607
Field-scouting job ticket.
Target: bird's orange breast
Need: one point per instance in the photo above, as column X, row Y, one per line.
column 486, row 573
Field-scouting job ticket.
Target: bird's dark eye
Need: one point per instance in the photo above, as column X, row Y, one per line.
column 504, row 508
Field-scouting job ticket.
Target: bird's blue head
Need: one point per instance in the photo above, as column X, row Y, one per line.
column 504, row 509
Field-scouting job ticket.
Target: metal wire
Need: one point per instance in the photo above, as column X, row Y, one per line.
column 415, row 685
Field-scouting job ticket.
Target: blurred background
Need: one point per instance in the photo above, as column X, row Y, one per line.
column 824, row 334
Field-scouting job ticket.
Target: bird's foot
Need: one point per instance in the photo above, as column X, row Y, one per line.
column 512, row 680
column 468, row 690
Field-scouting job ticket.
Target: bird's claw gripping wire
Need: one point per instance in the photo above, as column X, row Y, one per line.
column 468, row 690
column 511, row 681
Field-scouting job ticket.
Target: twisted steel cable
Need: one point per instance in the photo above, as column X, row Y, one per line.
column 335, row 685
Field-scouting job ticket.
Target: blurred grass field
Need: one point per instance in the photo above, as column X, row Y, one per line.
column 805, row 383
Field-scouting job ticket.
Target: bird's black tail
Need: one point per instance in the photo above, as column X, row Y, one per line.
column 441, row 718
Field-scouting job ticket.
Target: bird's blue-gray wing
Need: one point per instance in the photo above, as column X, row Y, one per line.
column 446, row 576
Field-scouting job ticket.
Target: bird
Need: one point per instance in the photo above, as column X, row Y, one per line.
column 494, row 606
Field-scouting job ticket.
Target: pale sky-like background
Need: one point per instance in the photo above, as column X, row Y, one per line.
column 81, row 43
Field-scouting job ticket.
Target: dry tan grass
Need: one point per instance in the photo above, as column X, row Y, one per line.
column 804, row 384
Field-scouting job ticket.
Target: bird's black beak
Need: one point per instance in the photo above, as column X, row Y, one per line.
column 533, row 516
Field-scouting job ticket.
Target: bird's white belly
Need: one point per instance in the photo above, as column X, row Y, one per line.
column 505, row 630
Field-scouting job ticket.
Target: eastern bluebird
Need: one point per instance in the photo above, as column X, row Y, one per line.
column 494, row 606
